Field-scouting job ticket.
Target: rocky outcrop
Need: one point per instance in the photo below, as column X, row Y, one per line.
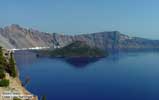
column 116, row 41
column 18, row 37
column 15, row 87
column 14, row 36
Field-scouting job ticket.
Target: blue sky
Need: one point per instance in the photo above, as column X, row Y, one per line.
column 132, row 17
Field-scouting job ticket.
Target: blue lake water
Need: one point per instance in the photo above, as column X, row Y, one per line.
column 123, row 76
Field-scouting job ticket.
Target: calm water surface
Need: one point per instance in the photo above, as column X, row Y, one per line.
column 124, row 76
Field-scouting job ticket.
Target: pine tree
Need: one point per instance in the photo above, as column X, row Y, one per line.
column 12, row 66
column 2, row 74
column 2, row 58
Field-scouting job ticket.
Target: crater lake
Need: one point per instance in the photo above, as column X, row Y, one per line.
column 121, row 76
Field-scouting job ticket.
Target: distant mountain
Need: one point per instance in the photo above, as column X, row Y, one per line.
column 15, row 36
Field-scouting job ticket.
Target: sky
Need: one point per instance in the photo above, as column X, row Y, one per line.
column 131, row 17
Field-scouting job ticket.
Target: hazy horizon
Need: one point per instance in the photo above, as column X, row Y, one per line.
column 134, row 18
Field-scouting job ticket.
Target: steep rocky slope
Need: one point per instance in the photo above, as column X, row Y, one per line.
column 19, row 37
column 14, row 36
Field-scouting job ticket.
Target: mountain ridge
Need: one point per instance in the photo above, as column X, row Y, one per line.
column 15, row 36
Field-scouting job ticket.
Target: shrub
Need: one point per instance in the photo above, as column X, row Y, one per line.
column 16, row 99
column 1, row 66
column 2, row 58
column 4, row 83
column 2, row 74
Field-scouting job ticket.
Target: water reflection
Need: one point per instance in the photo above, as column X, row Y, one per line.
column 123, row 76
column 81, row 62
column 29, row 57
column 25, row 58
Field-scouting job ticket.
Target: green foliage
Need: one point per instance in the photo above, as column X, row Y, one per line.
column 2, row 74
column 4, row 83
column 3, row 61
column 9, row 66
column 1, row 66
column 78, row 49
column 43, row 98
column 16, row 99
column 12, row 66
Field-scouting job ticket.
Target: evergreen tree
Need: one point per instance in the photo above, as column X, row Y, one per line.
column 2, row 74
column 4, row 83
column 2, row 64
column 12, row 66
column 2, row 58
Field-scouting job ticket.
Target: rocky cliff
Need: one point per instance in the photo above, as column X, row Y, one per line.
column 14, row 36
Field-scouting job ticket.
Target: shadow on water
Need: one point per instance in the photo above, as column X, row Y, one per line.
column 81, row 62
column 116, row 75
column 29, row 57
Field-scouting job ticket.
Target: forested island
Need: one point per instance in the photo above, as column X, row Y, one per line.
column 75, row 49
